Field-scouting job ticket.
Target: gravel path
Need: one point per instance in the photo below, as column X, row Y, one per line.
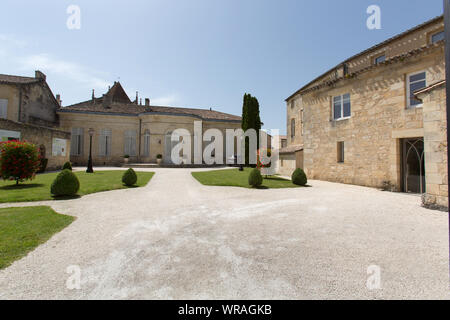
column 177, row 239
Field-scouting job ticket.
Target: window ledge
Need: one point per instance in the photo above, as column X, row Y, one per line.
column 341, row 119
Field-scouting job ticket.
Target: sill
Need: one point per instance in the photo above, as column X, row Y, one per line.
column 341, row 119
column 418, row 106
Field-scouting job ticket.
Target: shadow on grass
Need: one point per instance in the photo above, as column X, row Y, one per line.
column 22, row 186
column 60, row 198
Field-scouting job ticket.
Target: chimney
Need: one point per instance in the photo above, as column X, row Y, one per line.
column 93, row 94
column 58, row 98
column 147, row 102
column 39, row 75
column 137, row 97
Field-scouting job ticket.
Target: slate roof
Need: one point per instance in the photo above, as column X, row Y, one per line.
column 114, row 103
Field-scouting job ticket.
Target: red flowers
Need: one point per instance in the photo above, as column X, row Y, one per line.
column 19, row 160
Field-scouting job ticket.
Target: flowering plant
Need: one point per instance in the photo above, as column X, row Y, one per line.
column 259, row 164
column 19, row 161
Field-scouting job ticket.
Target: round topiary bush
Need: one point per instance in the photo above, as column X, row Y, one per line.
column 67, row 166
column 129, row 178
column 65, row 184
column 299, row 177
column 255, row 178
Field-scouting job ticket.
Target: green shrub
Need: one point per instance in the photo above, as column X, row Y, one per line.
column 255, row 178
column 19, row 161
column 129, row 178
column 65, row 184
column 159, row 156
column 299, row 177
column 67, row 166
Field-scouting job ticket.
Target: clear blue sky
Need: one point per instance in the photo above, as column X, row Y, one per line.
column 195, row 53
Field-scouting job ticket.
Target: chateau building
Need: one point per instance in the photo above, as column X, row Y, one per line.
column 122, row 127
column 377, row 119
column 28, row 113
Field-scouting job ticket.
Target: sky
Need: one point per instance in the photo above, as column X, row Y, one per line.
column 195, row 53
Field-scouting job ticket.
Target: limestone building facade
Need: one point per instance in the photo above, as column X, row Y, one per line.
column 377, row 119
column 123, row 127
column 28, row 113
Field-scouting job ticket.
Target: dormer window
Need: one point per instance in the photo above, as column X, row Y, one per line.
column 439, row 36
column 380, row 59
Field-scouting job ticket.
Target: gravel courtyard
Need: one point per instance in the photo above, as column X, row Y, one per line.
column 178, row 239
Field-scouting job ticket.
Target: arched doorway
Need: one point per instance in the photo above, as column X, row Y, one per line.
column 413, row 166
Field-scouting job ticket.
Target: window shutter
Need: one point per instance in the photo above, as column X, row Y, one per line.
column 3, row 109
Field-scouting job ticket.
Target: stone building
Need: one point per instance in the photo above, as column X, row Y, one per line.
column 122, row 127
column 28, row 112
column 376, row 119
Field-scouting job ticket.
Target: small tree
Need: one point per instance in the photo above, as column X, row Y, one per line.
column 19, row 161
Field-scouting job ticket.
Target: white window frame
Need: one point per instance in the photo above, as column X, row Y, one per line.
column 408, row 89
column 342, row 107
column 105, row 143
column 3, row 108
column 146, row 151
column 79, row 135
column 130, row 143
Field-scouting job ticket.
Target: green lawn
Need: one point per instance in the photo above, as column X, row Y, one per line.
column 39, row 188
column 23, row 229
column 236, row 178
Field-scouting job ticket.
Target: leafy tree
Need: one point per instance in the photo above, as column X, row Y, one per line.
column 19, row 161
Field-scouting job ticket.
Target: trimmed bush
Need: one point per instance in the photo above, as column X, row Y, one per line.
column 129, row 178
column 19, row 161
column 255, row 178
column 299, row 177
column 65, row 184
column 67, row 166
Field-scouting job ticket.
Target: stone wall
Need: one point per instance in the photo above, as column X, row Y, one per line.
column 157, row 125
column 435, row 140
column 380, row 119
column 40, row 136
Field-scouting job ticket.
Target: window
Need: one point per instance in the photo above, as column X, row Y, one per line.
column 438, row 37
column 292, row 128
column 302, row 121
column 147, row 143
column 130, row 143
column 340, row 152
column 380, row 59
column 416, row 82
column 105, row 142
column 283, row 143
column 76, row 148
column 342, row 107
column 293, row 104
column 3, row 108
